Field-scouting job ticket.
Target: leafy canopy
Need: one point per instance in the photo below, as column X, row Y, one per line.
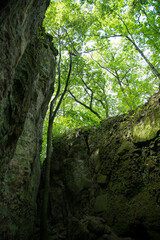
column 115, row 46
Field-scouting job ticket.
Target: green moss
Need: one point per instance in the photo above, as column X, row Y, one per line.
column 126, row 146
column 77, row 231
column 101, row 203
column 101, row 179
column 76, row 181
column 98, row 165
column 69, row 168
column 68, row 162
column 148, row 128
column 85, row 183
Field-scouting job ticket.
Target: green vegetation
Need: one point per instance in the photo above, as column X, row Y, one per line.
column 108, row 61
column 115, row 49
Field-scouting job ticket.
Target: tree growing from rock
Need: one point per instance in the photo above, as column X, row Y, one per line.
column 113, row 51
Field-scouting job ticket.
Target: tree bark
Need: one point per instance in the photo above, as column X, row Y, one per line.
column 52, row 115
column 44, row 209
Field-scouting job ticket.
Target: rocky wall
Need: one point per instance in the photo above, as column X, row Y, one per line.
column 19, row 22
column 32, row 88
column 27, row 71
column 109, row 177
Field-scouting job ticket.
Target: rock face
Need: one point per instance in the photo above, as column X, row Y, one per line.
column 27, row 72
column 19, row 22
column 109, row 177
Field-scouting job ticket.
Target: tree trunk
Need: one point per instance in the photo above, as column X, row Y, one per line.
column 52, row 115
column 154, row 70
column 44, row 208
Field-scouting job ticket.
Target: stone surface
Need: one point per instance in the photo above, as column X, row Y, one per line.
column 121, row 164
column 19, row 22
column 20, row 174
column 27, row 71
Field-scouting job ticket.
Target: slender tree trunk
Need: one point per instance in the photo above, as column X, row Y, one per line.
column 154, row 70
column 44, row 208
column 45, row 200
column 131, row 39
column 106, row 105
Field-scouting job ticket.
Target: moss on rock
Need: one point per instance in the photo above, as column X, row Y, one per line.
column 118, row 179
column 101, row 203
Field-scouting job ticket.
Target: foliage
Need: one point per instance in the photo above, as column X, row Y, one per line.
column 108, row 64
column 116, row 46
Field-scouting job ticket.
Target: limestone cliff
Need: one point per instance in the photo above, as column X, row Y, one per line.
column 27, row 71
column 109, row 177
column 29, row 98
column 19, row 22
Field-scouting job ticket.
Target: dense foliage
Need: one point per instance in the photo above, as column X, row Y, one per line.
column 115, row 51
column 108, row 63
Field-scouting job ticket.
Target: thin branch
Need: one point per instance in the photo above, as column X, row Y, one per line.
column 65, row 89
column 131, row 39
column 124, row 76
column 112, row 36
column 122, row 89
column 93, row 50
column 84, row 105
column 125, row 26
column 91, row 101
column 86, row 84
column 59, row 77
column 116, row 75
column 154, row 70
column 71, row 41
column 150, row 25
column 107, row 69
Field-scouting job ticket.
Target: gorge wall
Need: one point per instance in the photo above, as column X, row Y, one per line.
column 27, row 72
column 108, row 177
column 104, row 182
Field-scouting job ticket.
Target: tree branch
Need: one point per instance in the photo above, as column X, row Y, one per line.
column 107, row 69
column 84, row 105
column 65, row 89
column 154, row 70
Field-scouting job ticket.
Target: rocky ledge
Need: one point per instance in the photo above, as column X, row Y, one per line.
column 108, row 177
